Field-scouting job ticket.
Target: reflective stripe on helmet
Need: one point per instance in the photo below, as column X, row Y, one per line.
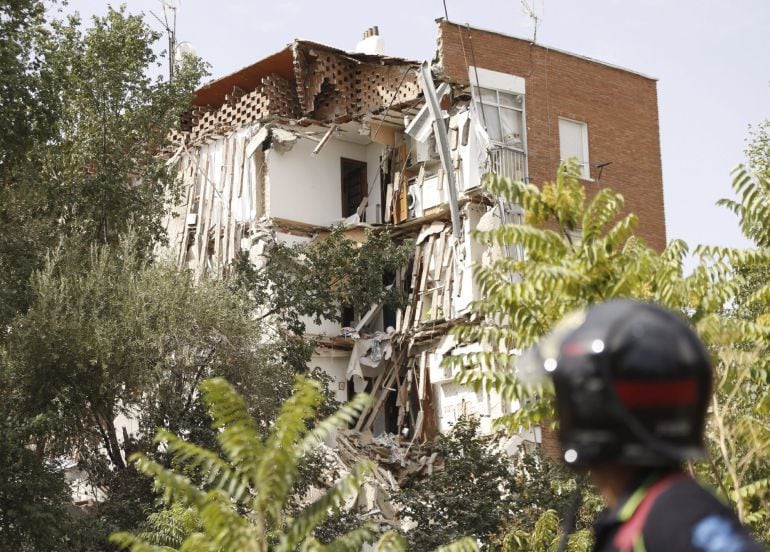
column 661, row 392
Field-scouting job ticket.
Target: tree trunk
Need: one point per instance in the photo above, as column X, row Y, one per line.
column 107, row 430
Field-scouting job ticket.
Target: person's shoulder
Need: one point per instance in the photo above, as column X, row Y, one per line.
column 686, row 516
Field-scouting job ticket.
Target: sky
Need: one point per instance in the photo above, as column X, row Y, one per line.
column 711, row 59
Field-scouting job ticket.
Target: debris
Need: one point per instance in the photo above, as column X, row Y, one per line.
column 429, row 230
column 283, row 140
column 421, row 126
column 397, row 460
column 256, row 141
column 239, row 196
column 325, row 139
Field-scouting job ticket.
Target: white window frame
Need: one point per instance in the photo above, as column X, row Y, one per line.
column 476, row 92
column 585, row 163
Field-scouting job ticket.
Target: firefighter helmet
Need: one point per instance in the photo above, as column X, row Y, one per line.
column 632, row 384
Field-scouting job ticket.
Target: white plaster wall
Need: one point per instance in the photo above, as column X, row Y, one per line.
column 472, row 155
column 327, row 328
column 306, row 187
column 291, row 239
column 432, row 193
column 474, row 252
column 334, row 363
column 454, row 400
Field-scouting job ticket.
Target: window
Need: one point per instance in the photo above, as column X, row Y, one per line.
column 353, row 185
column 503, row 115
column 573, row 142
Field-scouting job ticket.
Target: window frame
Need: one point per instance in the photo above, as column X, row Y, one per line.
column 585, row 163
column 479, row 101
column 362, row 183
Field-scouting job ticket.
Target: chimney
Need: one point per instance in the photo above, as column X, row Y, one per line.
column 371, row 43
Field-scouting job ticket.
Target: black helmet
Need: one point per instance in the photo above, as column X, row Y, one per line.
column 632, row 385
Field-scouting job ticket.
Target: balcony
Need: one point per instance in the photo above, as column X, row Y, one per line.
column 508, row 163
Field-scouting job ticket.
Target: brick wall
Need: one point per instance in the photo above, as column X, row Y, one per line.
column 620, row 108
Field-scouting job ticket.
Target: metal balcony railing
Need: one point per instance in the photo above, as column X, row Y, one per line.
column 507, row 162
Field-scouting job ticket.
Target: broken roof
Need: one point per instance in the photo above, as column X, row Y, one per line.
column 281, row 63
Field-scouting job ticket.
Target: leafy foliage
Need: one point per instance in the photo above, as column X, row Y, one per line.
column 472, row 495
column 319, row 279
column 28, row 101
column 758, row 148
column 483, row 493
column 33, row 494
column 752, row 206
column 83, row 123
column 241, row 499
column 123, row 336
column 114, row 120
column 546, row 536
column 579, row 252
column 111, row 334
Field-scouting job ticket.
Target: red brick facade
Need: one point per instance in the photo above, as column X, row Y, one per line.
column 619, row 107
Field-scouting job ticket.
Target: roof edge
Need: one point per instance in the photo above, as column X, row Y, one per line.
column 559, row 50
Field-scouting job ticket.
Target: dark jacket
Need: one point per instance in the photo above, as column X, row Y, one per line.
column 671, row 512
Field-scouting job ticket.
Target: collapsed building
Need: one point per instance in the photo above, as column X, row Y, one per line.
column 313, row 136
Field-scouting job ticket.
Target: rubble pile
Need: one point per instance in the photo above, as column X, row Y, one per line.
column 397, row 461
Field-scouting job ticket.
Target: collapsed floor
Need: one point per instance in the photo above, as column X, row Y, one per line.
column 311, row 122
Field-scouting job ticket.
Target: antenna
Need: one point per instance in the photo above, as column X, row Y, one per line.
column 530, row 12
column 168, row 22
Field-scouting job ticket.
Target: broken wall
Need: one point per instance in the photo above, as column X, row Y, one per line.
column 305, row 187
column 275, row 98
column 333, row 85
column 257, row 180
column 222, row 198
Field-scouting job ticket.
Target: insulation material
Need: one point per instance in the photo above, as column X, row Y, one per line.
column 370, row 352
column 221, row 208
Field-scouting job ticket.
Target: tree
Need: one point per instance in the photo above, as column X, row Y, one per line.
column 758, row 149
column 741, row 407
column 29, row 107
column 546, row 537
column 115, row 120
column 240, row 501
column 28, row 101
column 118, row 335
column 34, row 497
column 472, row 495
column 124, row 336
column 83, row 124
column 485, row 493
column 581, row 252
column 318, row 280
